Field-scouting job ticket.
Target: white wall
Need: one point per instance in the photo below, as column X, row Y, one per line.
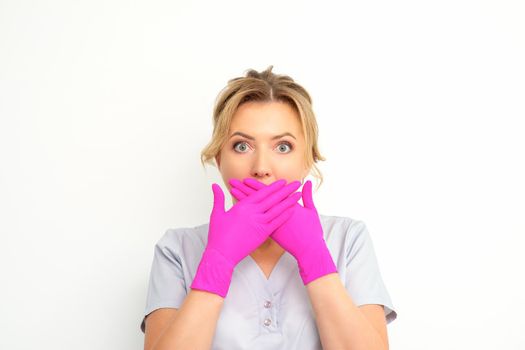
column 105, row 106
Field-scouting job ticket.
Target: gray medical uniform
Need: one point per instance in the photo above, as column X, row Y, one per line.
column 274, row 313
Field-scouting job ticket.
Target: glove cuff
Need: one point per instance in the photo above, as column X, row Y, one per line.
column 214, row 273
column 317, row 263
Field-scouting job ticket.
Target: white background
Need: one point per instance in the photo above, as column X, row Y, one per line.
column 106, row 105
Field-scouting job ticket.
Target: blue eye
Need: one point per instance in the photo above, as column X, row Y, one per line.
column 288, row 144
column 238, row 143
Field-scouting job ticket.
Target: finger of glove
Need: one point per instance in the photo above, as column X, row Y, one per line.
column 265, row 192
column 278, row 196
column 281, row 219
column 239, row 195
column 307, row 195
column 253, row 183
column 218, row 198
column 247, row 190
column 280, row 207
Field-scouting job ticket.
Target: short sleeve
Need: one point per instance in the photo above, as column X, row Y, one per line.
column 363, row 278
column 167, row 286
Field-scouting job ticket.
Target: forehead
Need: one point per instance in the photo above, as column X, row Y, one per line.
column 259, row 118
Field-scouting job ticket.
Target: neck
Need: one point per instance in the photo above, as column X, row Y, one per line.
column 268, row 247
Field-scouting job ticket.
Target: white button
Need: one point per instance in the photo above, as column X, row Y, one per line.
column 267, row 322
column 267, row 304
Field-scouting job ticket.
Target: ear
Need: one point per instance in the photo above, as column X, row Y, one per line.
column 218, row 160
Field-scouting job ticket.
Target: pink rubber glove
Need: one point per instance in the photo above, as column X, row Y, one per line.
column 301, row 235
column 235, row 233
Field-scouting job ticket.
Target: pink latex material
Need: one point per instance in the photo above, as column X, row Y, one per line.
column 235, row 233
column 301, row 235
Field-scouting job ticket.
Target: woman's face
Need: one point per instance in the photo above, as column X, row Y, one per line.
column 265, row 142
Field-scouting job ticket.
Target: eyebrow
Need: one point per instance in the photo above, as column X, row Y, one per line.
column 253, row 138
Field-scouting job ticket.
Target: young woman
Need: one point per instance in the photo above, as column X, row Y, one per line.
column 269, row 273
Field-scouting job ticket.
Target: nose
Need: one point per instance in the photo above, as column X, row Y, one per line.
column 261, row 168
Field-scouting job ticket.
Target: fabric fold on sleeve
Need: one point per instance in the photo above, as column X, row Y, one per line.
column 363, row 278
column 167, row 287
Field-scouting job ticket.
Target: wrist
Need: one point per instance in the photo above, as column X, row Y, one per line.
column 213, row 274
column 315, row 263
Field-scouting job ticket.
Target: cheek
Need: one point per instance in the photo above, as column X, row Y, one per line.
column 291, row 168
column 234, row 167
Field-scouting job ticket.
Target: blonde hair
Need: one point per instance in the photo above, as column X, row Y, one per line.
column 263, row 86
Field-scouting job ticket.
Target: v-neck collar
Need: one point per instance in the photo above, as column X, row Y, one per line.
column 263, row 275
column 285, row 267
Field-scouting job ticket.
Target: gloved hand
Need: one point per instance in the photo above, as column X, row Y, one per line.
column 235, row 233
column 301, row 235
